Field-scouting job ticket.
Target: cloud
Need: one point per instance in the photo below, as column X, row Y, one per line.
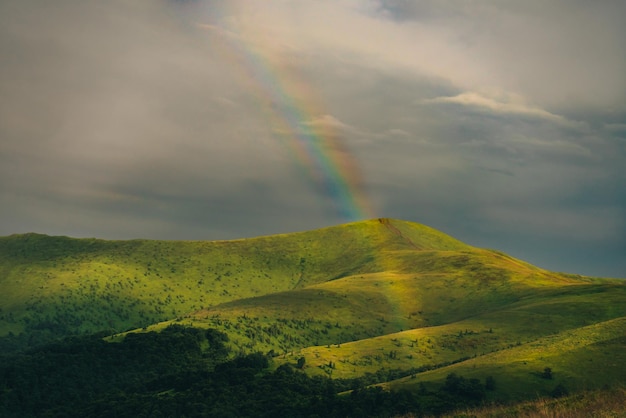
column 536, row 50
column 472, row 99
column 327, row 121
column 493, row 121
column 617, row 129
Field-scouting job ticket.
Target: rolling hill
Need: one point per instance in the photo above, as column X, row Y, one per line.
column 393, row 302
column 84, row 285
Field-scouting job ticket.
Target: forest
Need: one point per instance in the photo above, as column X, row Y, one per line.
column 189, row 372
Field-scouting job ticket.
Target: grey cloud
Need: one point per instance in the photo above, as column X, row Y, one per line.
column 488, row 104
column 99, row 94
column 559, row 53
column 129, row 119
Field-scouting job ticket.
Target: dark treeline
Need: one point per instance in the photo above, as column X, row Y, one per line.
column 186, row 372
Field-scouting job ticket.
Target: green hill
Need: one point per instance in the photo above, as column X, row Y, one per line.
column 378, row 300
column 62, row 285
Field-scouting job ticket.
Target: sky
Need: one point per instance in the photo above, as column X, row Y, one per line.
column 501, row 123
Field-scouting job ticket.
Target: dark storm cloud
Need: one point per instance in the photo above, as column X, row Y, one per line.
column 501, row 123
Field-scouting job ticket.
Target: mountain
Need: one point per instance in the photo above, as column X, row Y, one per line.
column 387, row 301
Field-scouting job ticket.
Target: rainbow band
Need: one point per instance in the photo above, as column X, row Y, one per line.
column 319, row 151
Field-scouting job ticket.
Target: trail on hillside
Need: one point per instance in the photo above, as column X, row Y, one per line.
column 391, row 228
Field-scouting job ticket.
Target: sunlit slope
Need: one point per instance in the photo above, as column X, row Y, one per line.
column 496, row 329
column 587, row 357
column 446, row 292
column 62, row 285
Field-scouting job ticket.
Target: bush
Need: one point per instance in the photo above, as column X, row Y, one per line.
column 559, row 391
column 547, row 373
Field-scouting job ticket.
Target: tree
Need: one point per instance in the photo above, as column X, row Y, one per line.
column 547, row 373
column 301, row 363
column 559, row 391
column 490, row 383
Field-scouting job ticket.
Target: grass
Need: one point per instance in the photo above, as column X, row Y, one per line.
column 607, row 403
column 362, row 298
column 582, row 358
column 148, row 281
column 145, row 281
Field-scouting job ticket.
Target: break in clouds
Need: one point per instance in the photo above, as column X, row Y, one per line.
column 500, row 123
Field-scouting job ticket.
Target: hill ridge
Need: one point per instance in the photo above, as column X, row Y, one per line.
column 388, row 223
column 148, row 281
column 373, row 287
column 394, row 230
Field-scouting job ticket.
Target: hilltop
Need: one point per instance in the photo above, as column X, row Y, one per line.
column 81, row 285
column 386, row 301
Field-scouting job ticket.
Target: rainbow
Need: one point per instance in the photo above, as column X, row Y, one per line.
column 292, row 108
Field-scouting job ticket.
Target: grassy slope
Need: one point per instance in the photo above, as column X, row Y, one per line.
column 584, row 358
column 426, row 309
column 364, row 297
column 90, row 285
column 399, row 321
column 595, row 403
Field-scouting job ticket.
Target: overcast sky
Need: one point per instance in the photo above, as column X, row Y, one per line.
column 501, row 123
